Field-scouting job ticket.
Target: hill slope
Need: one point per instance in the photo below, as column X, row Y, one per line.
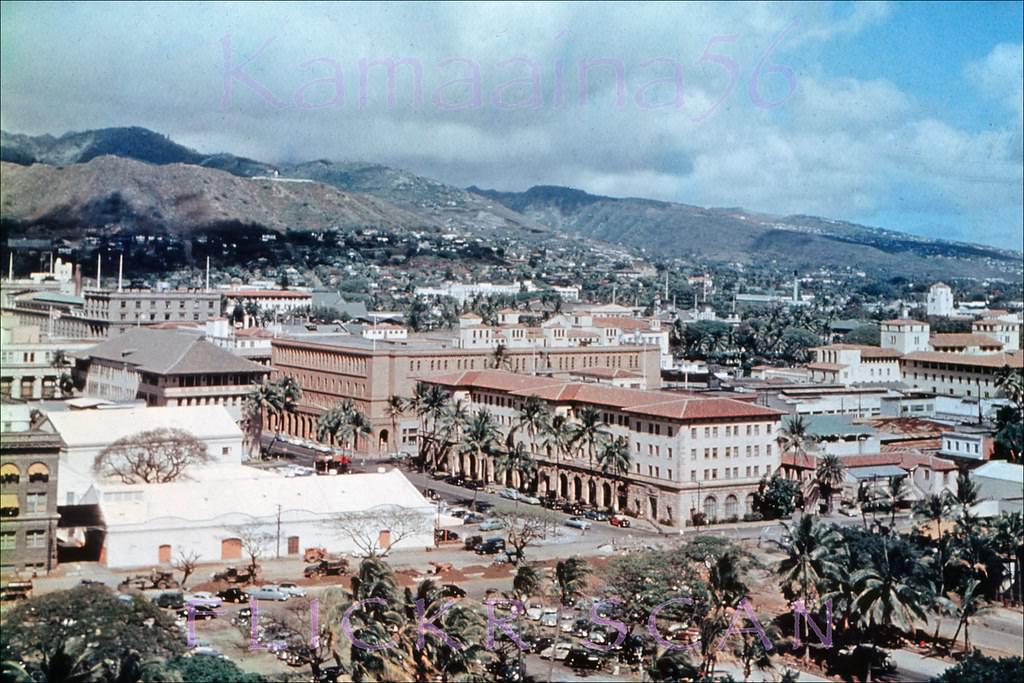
column 176, row 198
column 736, row 235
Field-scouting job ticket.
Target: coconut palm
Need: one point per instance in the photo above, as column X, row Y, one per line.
column 971, row 605
column 480, row 438
column 533, row 417
column 885, row 598
column 810, row 556
column 726, row 582
column 570, row 581
column 794, row 435
column 499, row 357
column 263, row 401
column 558, row 440
column 935, row 508
column 1008, row 541
column 516, row 460
column 613, row 457
column 1010, row 382
column 587, row 432
column 527, row 582
column 897, row 494
column 290, row 394
column 828, row 478
column 395, row 408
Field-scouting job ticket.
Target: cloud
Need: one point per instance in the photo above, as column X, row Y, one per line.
column 842, row 147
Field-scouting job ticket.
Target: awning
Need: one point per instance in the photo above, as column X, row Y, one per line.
column 9, row 500
column 877, row 472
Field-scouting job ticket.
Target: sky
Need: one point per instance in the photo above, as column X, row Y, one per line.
column 903, row 116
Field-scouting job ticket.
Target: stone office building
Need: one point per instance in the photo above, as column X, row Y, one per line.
column 28, row 501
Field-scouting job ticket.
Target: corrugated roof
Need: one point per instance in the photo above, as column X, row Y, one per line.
column 1000, row 469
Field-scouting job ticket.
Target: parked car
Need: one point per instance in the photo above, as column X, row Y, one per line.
column 492, row 546
column 558, row 652
column 619, row 520
column 473, row 541
column 552, row 503
column 538, row 644
column 549, row 617
column 596, row 515
column 326, row 568
column 578, row 658
column 529, row 500
column 577, row 523
column 533, row 613
column 205, row 598
column 572, row 508
column 850, row 661
column 510, row 494
column 268, row 593
column 455, row 480
column 472, row 484
column 233, row 595
column 492, row 524
column 506, row 557
column 483, row 506
column 199, row 612
column 292, row 589
column 170, row 600
column 445, row 536
column 472, row 518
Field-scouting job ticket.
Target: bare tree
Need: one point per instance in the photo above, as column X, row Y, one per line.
column 375, row 531
column 303, row 630
column 524, row 528
column 186, row 563
column 255, row 543
column 156, row 456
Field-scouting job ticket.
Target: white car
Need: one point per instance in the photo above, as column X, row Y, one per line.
column 292, row 589
column 510, row 494
column 206, row 598
column 529, row 500
column 549, row 617
column 568, row 623
column 559, row 652
column 534, row 613
column 270, row 592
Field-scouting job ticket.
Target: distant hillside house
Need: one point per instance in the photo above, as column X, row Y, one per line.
column 940, row 300
column 848, row 364
column 168, row 368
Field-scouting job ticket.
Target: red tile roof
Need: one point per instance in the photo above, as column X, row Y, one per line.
column 903, row 322
column 800, row 461
column 957, row 339
column 986, row 360
column 907, row 460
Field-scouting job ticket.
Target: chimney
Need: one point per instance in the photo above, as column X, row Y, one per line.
column 78, row 279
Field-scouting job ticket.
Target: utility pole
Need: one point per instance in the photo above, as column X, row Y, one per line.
column 279, row 531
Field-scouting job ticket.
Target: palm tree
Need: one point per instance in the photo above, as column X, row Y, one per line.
column 829, row 478
column 433, row 404
column 558, row 439
column 966, row 496
column 480, row 438
column 793, row 436
column 810, row 557
column 527, row 582
column 290, row 393
column 395, row 408
column 897, row 494
column 570, row 581
column 587, row 431
column 971, row 605
column 726, row 581
column 935, row 508
column 379, row 619
column 613, row 458
column 516, row 460
column 60, row 361
column 1010, row 381
column 453, row 422
column 1008, row 539
column 263, row 401
column 534, row 416
column 343, row 423
column 885, row 598
column 499, row 357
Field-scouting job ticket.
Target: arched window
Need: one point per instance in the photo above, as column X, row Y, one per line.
column 710, row 508
column 748, row 506
column 9, row 473
column 38, row 472
column 731, row 506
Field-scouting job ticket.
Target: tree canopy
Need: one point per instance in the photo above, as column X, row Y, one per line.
column 155, row 456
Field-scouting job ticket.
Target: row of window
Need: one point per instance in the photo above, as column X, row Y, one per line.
column 34, row 538
column 711, row 474
column 11, row 474
column 35, row 503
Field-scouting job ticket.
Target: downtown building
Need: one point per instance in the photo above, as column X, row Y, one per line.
column 331, row 368
column 688, row 454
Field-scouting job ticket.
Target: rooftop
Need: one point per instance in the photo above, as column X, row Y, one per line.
column 100, row 428
column 167, row 352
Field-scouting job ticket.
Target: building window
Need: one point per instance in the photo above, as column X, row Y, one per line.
column 9, row 473
column 38, row 473
column 35, row 539
column 8, row 540
column 35, row 503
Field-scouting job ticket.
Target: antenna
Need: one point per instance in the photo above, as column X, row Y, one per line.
column 99, row 270
column 207, row 274
column 120, row 272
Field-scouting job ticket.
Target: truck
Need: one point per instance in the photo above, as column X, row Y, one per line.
column 232, row 575
column 155, row 579
column 326, row 567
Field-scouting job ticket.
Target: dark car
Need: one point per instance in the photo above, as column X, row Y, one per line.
column 201, row 612
column 491, row 546
column 170, row 600
column 596, row 515
column 233, row 595
column 472, row 484
column 330, row 674
column 472, row 518
column 445, row 536
column 455, row 480
column 473, row 542
column 483, row 506
column 538, row 644
column 578, row 658
column 450, row 590
column 850, row 661
column 572, row 508
column 552, row 503
column 506, row 672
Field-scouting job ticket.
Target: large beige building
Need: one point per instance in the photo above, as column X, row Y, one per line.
column 331, row 368
column 688, row 454
column 957, row 374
